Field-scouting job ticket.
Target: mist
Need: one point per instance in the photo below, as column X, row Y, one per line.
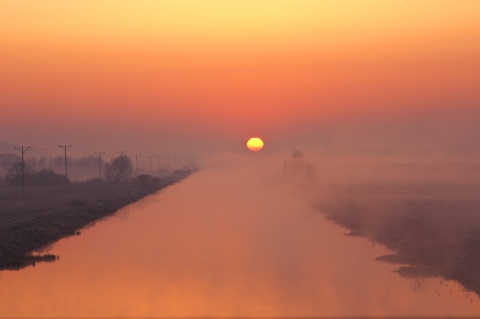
column 421, row 205
column 410, row 184
column 276, row 232
column 284, row 233
column 371, row 135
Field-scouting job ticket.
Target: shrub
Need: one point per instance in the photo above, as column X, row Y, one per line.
column 146, row 182
column 45, row 177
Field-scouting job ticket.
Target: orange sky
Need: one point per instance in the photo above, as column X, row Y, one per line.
column 230, row 68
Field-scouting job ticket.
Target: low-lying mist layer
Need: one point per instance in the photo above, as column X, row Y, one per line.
column 425, row 209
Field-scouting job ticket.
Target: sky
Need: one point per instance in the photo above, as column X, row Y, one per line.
column 195, row 77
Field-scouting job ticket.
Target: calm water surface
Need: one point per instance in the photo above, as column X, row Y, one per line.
column 222, row 243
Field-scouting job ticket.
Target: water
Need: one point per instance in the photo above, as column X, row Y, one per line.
column 223, row 243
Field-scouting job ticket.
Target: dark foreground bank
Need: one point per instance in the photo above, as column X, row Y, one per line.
column 433, row 229
column 45, row 215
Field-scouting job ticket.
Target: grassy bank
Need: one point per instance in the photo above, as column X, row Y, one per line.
column 45, row 215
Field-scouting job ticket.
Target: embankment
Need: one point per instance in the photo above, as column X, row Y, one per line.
column 432, row 229
column 45, row 215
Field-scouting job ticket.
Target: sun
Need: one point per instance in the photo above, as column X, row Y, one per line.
column 255, row 144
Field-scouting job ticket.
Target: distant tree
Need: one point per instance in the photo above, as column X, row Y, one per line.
column 14, row 174
column 8, row 159
column 299, row 171
column 42, row 162
column 118, row 169
column 32, row 162
column 297, row 155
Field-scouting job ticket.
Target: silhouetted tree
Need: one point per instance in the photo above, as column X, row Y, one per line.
column 299, row 171
column 8, row 159
column 118, row 169
column 14, row 174
column 297, row 155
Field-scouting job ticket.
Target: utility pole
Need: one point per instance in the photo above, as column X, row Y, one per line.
column 136, row 162
column 158, row 163
column 150, row 156
column 65, row 148
column 100, row 162
column 22, row 150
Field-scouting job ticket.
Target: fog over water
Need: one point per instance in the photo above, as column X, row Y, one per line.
column 248, row 235
column 364, row 201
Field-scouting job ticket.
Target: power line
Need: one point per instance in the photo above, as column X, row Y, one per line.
column 23, row 150
column 41, row 149
column 65, row 148
column 7, row 149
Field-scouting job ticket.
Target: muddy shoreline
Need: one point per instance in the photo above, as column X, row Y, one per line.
column 45, row 215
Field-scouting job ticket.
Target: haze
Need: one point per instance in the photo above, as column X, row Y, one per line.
column 201, row 76
column 369, row 111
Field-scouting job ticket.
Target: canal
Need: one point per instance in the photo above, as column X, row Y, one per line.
column 226, row 242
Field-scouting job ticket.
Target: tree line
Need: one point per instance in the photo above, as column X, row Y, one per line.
column 53, row 163
column 115, row 171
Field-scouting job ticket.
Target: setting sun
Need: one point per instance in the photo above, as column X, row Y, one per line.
column 255, row 144
column 137, row 114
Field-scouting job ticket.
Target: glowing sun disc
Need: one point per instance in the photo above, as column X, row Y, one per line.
column 255, row 144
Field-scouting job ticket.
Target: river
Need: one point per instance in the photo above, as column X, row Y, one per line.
column 223, row 243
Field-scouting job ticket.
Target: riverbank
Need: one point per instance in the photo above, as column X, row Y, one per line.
column 45, row 215
column 432, row 229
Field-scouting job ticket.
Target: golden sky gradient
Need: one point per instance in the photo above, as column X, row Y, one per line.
column 236, row 67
